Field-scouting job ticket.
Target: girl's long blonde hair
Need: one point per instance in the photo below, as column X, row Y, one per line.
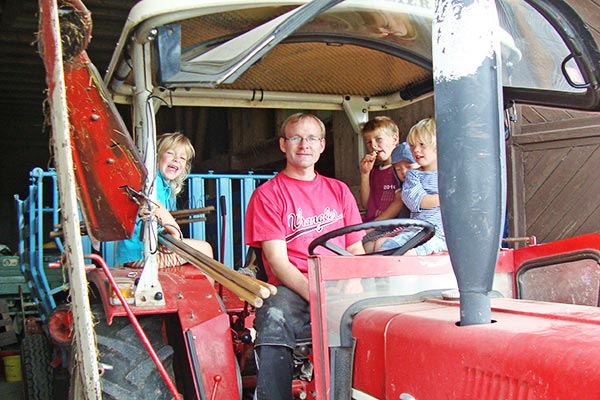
column 168, row 141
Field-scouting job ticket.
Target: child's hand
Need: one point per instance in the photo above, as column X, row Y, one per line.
column 366, row 164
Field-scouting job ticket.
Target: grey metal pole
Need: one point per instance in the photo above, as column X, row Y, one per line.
column 471, row 159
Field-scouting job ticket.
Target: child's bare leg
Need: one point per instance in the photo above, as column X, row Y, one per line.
column 203, row 247
column 377, row 244
column 369, row 246
column 200, row 245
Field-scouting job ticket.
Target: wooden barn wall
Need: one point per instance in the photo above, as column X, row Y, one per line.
column 553, row 161
column 236, row 140
column 590, row 12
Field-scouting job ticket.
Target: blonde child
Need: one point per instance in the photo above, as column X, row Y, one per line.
column 175, row 154
column 420, row 192
column 377, row 183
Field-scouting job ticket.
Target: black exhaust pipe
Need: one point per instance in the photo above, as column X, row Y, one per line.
column 471, row 156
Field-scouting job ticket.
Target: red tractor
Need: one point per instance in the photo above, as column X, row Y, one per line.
column 444, row 326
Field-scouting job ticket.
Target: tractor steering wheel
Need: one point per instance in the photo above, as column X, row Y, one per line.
column 427, row 231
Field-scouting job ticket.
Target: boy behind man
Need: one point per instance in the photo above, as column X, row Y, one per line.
column 377, row 184
column 379, row 187
column 420, row 192
column 402, row 161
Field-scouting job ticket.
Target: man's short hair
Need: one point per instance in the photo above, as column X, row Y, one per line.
column 300, row 116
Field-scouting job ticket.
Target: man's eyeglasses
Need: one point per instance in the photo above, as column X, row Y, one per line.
column 298, row 139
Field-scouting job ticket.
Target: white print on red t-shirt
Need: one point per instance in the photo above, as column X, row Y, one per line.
column 301, row 225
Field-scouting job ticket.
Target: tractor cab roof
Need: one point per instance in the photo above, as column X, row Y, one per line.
column 323, row 55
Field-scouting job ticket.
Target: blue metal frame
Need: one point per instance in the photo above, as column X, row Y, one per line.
column 235, row 189
column 30, row 219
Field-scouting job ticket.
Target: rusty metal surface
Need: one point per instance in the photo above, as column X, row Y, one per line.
column 104, row 156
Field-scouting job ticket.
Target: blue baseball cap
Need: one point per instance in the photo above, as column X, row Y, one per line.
column 402, row 152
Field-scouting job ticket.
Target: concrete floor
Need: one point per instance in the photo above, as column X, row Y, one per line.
column 11, row 390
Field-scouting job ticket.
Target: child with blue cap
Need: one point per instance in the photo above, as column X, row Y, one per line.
column 403, row 160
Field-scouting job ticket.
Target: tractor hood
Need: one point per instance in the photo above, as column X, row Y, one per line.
column 286, row 54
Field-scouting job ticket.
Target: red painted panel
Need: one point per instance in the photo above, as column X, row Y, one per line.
column 104, row 156
column 214, row 351
column 379, row 266
column 370, row 331
column 188, row 293
column 583, row 242
column 181, row 286
column 534, row 351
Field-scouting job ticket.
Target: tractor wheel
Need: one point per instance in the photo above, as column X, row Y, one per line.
column 36, row 357
column 130, row 373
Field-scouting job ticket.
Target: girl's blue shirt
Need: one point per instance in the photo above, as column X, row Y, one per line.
column 133, row 249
